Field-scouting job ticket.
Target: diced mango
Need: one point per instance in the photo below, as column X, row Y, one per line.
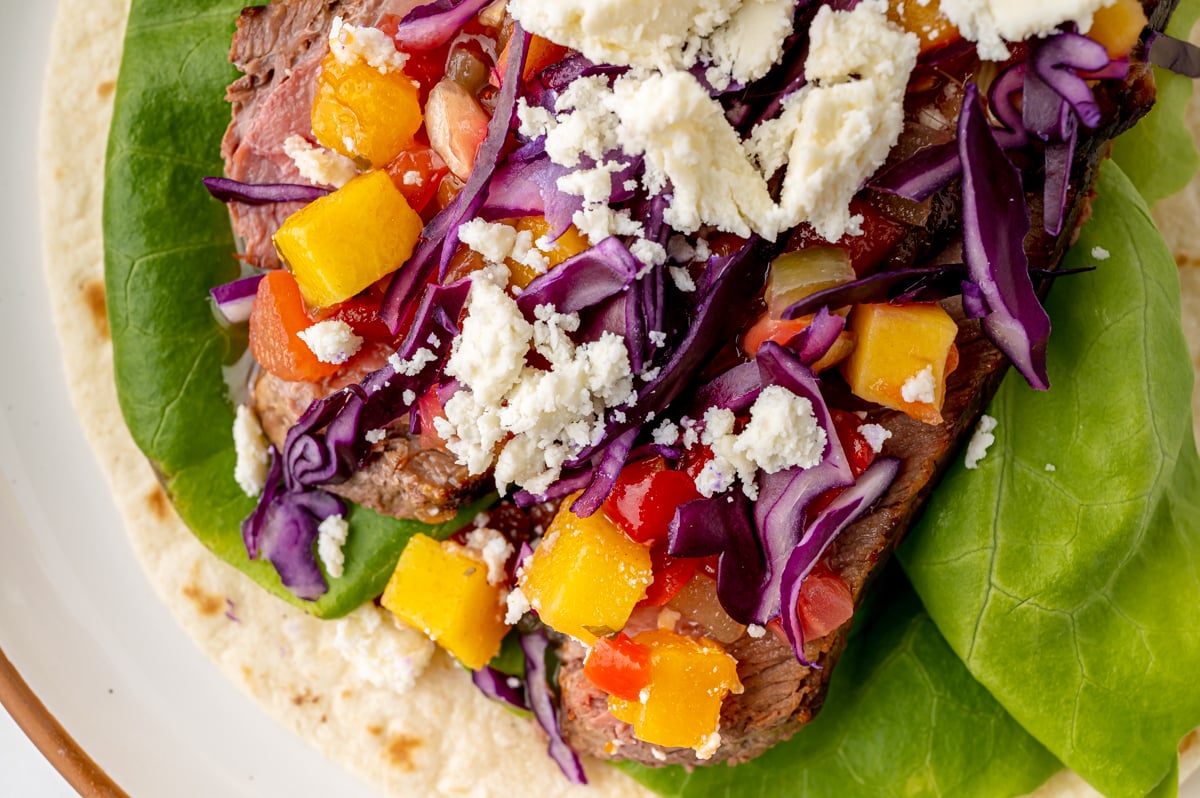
column 685, row 672
column 587, row 575
column 925, row 20
column 364, row 113
column 1118, row 26
column 900, row 360
column 341, row 243
column 570, row 243
column 443, row 591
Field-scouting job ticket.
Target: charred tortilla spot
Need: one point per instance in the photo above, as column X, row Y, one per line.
column 375, row 730
column 206, row 604
column 97, row 305
column 399, row 752
column 158, row 504
column 105, row 88
column 305, row 696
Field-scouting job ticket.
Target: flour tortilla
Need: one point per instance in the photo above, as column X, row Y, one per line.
column 440, row 738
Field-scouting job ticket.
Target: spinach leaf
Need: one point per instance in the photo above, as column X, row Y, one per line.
column 903, row 717
column 166, row 243
column 1162, row 136
column 1065, row 571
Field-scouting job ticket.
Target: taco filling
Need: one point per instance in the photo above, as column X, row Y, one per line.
column 710, row 293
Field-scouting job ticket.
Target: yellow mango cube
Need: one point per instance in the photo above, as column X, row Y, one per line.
column 690, row 672
column 587, row 575
column 443, row 591
column 900, row 359
column 343, row 242
column 364, row 113
column 570, row 243
column 1118, row 26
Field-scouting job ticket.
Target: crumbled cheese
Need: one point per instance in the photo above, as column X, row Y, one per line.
column 682, row 279
column 380, row 650
column 983, row 438
column 413, row 178
column 658, row 754
column 920, row 387
column 352, row 44
column 679, row 250
column 494, row 549
column 875, row 436
column 319, row 165
column 414, row 365
column 492, row 240
column 782, row 433
column 746, row 47
column 331, row 537
column 374, row 435
column 991, row 23
column 332, row 341
column 1100, row 253
column 408, row 397
column 650, row 253
column 756, row 631
column 250, row 445
column 546, row 417
column 709, row 746
column 650, row 375
column 516, row 606
column 658, row 338
column 666, row 434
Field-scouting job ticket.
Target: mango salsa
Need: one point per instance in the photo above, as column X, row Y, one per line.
column 364, row 113
column 900, row 360
column 341, row 243
column 443, row 591
column 1118, row 27
column 586, row 576
column 695, row 673
column 570, row 243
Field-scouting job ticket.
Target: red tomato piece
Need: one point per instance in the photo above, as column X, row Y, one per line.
column 644, row 499
column 670, row 575
column 429, row 407
column 277, row 318
column 825, row 603
column 858, row 452
column 417, row 173
column 362, row 314
column 781, row 331
column 618, row 666
column 879, row 235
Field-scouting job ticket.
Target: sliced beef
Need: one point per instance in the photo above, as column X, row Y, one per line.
column 279, row 48
column 400, row 478
column 781, row 695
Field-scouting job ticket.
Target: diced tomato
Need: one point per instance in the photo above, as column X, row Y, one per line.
column 417, row 173
column 670, row 575
column 618, row 666
column 429, row 407
column 858, row 451
column 825, row 603
column 879, row 235
column 694, row 460
column 276, row 320
column 426, row 67
column 644, row 499
column 362, row 314
column 768, row 329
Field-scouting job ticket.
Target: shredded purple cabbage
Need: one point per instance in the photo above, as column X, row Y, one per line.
column 235, row 300
column 995, row 222
column 929, row 282
column 1179, row 56
column 228, row 190
column 433, row 24
column 500, row 687
column 541, row 700
column 582, row 280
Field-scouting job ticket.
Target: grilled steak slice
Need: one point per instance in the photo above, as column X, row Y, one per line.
column 400, row 478
column 279, row 48
column 781, row 695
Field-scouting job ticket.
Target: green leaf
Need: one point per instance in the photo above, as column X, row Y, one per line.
column 166, row 243
column 900, row 708
column 1162, row 137
column 1073, row 594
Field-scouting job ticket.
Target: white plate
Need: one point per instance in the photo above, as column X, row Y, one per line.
column 77, row 617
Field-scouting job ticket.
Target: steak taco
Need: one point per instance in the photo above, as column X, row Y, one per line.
column 616, row 354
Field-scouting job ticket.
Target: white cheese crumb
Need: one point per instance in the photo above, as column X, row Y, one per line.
column 658, row 754
column 682, row 279
column 875, row 436
column 414, row 365
column 650, row 375
column 352, row 44
column 756, row 631
column 493, row 240
column 494, row 549
column 413, row 178
column 709, row 746
column 920, row 387
column 332, row 341
column 980, row 442
column 658, row 338
column 380, row 650
column 1100, row 253
column 374, row 435
column 517, row 605
column 991, row 23
column 250, row 445
column 318, row 165
column 408, row 397
column 650, row 253
column 666, row 434
column 331, row 537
